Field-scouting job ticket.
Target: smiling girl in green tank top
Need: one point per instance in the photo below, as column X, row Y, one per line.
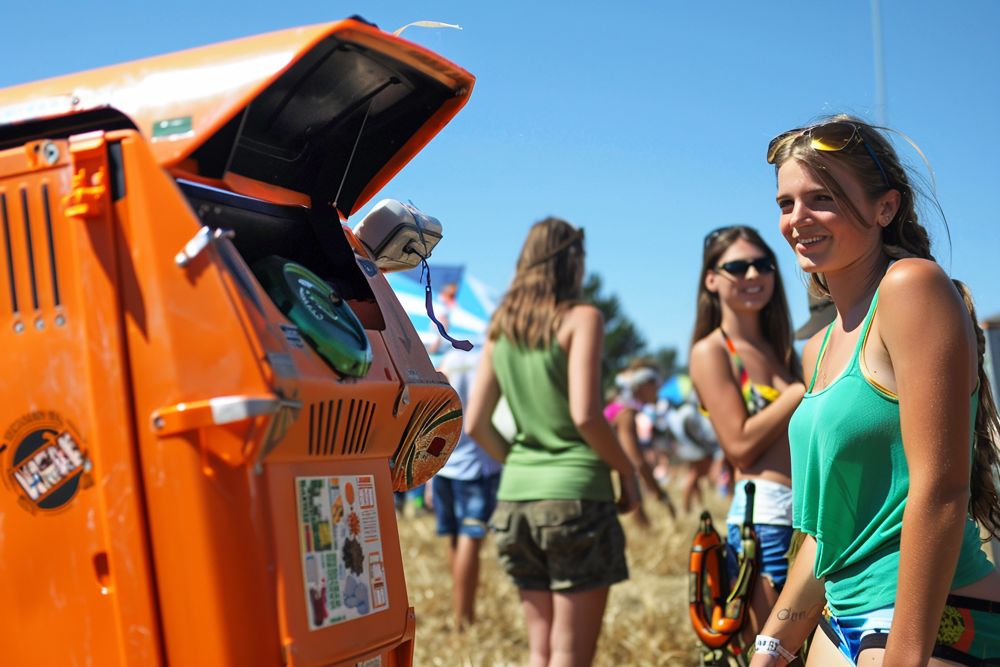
column 894, row 459
column 847, row 451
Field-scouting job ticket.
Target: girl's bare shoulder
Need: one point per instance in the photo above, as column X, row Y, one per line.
column 584, row 313
column 708, row 348
column 915, row 289
column 911, row 273
column 709, row 362
column 581, row 318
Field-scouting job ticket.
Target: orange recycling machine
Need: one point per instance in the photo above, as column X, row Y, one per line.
column 190, row 475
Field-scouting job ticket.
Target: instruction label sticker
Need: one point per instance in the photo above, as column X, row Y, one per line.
column 341, row 546
column 173, row 129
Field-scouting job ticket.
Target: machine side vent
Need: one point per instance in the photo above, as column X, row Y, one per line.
column 29, row 247
column 51, row 244
column 343, row 424
column 9, row 251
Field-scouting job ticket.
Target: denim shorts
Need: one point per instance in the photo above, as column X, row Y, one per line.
column 463, row 507
column 563, row 546
column 774, row 543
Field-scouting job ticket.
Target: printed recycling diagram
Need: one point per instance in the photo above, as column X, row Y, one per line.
column 341, row 546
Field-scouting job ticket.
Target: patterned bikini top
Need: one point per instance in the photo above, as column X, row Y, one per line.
column 755, row 396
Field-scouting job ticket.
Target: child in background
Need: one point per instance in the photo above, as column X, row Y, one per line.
column 696, row 446
column 463, row 495
column 637, row 387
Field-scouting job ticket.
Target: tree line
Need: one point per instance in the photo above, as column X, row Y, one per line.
column 623, row 342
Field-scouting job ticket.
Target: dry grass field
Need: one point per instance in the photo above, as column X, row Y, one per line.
column 646, row 622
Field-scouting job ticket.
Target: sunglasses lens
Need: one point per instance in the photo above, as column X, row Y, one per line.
column 832, row 136
column 763, row 265
column 829, row 137
column 739, row 267
column 777, row 143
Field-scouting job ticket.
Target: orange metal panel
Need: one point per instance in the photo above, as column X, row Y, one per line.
column 73, row 552
column 208, row 517
column 386, row 624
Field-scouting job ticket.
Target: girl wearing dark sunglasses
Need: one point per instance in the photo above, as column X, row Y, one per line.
column 894, row 451
column 746, row 373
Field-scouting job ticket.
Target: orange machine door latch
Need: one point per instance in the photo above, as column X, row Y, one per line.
column 89, row 191
column 235, row 416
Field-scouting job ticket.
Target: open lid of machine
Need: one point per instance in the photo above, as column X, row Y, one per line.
column 324, row 113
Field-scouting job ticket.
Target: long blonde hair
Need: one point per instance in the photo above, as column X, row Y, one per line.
column 546, row 284
column 905, row 237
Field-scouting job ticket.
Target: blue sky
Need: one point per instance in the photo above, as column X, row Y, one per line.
column 646, row 123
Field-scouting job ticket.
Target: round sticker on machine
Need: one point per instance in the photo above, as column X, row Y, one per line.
column 47, row 464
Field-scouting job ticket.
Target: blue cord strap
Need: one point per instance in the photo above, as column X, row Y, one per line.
column 463, row 345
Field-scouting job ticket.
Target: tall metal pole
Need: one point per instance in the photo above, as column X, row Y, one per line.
column 881, row 110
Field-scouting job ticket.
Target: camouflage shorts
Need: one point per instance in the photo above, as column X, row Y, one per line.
column 560, row 545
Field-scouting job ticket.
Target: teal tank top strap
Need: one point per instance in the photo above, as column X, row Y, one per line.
column 855, row 366
column 819, row 357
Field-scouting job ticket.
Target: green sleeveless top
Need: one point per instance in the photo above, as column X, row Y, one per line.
column 548, row 459
column 849, row 486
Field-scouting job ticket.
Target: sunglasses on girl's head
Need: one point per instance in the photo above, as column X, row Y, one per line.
column 716, row 233
column 739, row 267
column 830, row 138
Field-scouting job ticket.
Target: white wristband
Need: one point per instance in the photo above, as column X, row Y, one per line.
column 771, row 646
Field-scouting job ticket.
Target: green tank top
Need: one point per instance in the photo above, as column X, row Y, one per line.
column 849, row 486
column 548, row 459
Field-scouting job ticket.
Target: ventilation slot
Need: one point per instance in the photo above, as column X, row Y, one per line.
column 340, row 427
column 29, row 246
column 9, row 253
column 51, row 244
